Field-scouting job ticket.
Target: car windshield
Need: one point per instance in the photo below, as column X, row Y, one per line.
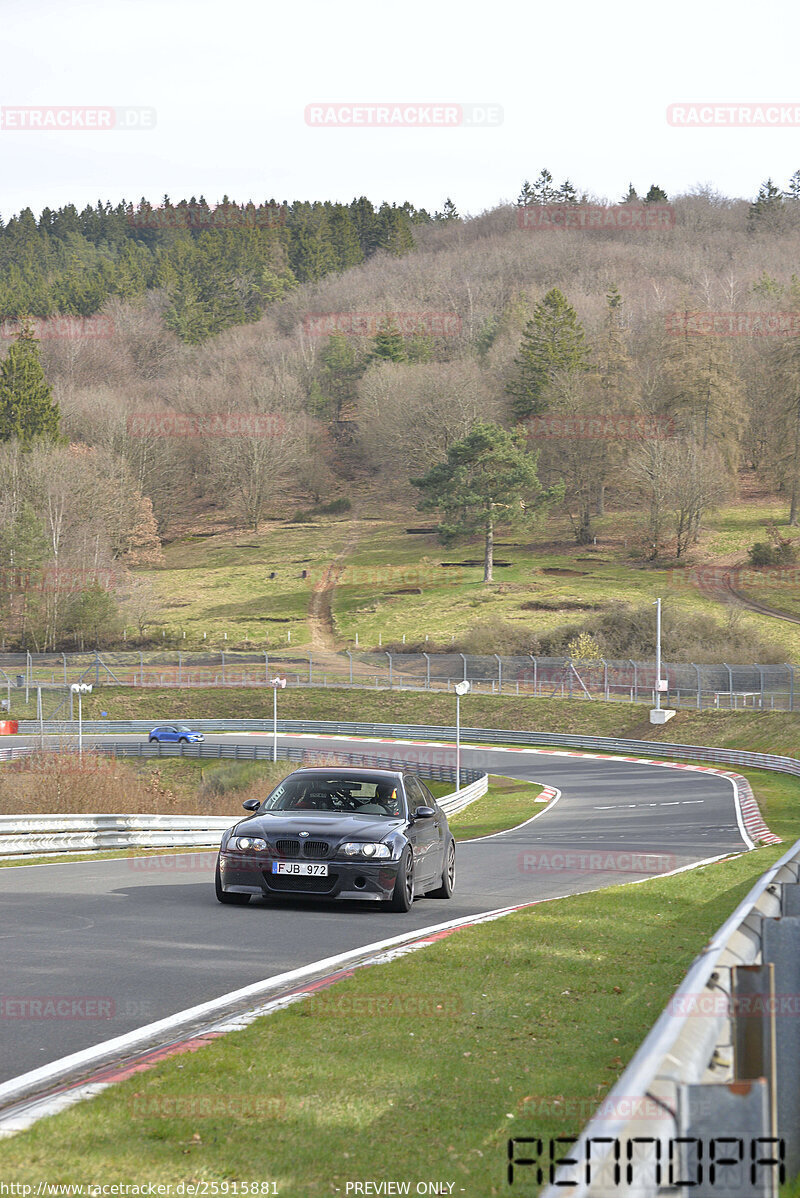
column 336, row 796
column 183, row 728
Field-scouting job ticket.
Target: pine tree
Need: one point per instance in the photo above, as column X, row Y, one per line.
column 543, row 190
column 449, row 211
column 767, row 205
column 341, row 370
column 488, row 479
column 388, row 344
column 794, row 187
column 567, row 193
column 655, row 195
column 631, row 197
column 553, row 342
column 527, row 195
column 27, row 409
column 394, row 230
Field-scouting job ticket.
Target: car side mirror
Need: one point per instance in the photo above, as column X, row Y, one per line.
column 251, row 804
column 424, row 813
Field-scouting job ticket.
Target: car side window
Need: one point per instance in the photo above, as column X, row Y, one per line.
column 428, row 798
column 416, row 797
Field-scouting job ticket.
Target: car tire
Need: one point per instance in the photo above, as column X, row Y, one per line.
column 403, row 893
column 230, row 899
column 152, row 740
column 448, row 883
column 183, row 740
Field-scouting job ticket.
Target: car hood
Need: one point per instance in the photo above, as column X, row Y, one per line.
column 319, row 827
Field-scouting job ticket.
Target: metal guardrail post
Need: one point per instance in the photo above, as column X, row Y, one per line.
column 780, row 939
column 730, row 683
column 463, row 657
column 635, row 680
column 427, row 657
column 499, row 673
column 222, row 655
column 310, row 669
column 753, row 1033
column 390, row 668
column 790, row 668
column 350, row 656
column 533, row 659
column 699, row 690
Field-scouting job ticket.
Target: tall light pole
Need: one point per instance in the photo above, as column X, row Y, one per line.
column 80, row 689
column 275, row 683
column 658, row 654
column 461, row 688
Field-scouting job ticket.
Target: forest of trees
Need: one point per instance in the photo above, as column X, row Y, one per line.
column 583, row 344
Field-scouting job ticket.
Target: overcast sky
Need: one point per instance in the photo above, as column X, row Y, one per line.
column 583, row 87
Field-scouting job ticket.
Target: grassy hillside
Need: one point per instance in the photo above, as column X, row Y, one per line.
column 393, row 583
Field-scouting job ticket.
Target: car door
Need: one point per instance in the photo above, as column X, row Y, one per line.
column 169, row 733
column 424, row 833
column 440, row 821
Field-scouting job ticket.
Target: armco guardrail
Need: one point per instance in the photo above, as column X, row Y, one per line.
column 487, row 736
column 25, row 835
column 705, row 1102
column 31, row 834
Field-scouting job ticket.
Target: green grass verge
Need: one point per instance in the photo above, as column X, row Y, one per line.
column 508, row 803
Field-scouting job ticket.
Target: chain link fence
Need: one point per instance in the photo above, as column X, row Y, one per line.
column 770, row 687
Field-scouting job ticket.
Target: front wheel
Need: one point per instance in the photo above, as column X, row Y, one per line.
column 153, row 740
column 448, row 883
column 228, row 898
column 403, row 893
column 184, row 740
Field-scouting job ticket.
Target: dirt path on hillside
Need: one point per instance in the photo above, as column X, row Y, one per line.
column 320, row 607
column 721, row 587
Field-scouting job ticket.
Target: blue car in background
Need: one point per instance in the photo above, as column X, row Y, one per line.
column 175, row 734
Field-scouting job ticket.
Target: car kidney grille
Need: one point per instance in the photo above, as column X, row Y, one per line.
column 315, row 848
column 287, row 848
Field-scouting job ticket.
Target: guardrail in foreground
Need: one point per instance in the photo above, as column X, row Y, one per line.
column 705, row 1101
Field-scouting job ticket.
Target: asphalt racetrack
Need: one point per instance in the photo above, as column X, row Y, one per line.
column 133, row 940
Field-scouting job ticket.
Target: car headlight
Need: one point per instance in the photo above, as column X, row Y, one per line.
column 365, row 848
column 250, row 842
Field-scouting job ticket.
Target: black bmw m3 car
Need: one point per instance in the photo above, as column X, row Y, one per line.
column 340, row 833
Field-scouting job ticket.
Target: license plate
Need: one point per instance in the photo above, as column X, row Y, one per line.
column 300, row 868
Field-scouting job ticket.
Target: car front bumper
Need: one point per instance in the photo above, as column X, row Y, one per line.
column 252, row 874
